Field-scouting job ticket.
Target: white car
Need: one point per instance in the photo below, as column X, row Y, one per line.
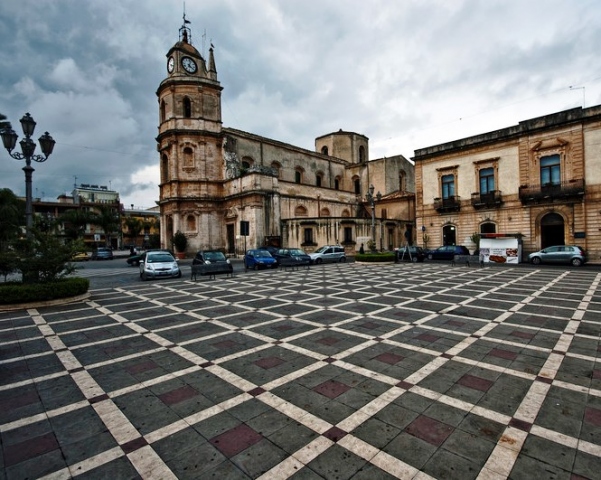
column 328, row 253
column 159, row 264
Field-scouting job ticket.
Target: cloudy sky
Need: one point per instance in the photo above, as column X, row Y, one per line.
column 407, row 74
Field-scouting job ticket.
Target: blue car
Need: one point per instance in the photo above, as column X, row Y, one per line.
column 255, row 259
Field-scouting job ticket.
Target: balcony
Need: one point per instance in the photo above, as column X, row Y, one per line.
column 571, row 190
column 492, row 199
column 447, row 205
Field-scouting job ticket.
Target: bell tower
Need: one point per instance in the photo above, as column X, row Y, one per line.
column 190, row 146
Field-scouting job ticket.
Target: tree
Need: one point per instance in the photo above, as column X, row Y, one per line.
column 134, row 227
column 108, row 220
column 75, row 222
column 12, row 217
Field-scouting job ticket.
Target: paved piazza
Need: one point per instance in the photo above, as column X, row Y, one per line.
column 340, row 371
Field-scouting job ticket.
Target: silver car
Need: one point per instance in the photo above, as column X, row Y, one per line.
column 568, row 254
column 158, row 264
column 328, row 253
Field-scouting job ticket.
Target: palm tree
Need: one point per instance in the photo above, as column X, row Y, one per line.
column 108, row 220
column 76, row 221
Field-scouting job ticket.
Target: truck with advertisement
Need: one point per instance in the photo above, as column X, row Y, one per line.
column 501, row 248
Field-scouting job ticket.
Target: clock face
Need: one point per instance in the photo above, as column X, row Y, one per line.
column 170, row 64
column 189, row 65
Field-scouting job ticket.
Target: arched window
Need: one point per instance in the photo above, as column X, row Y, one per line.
column 361, row 154
column 337, row 183
column 191, row 223
column 324, row 150
column 357, row 185
column 164, row 168
column 188, row 157
column 325, row 212
column 277, row 167
column 402, row 181
column 298, row 175
column 318, row 179
column 300, row 211
column 488, row 227
column 163, row 108
column 246, row 163
column 187, row 107
column 346, row 213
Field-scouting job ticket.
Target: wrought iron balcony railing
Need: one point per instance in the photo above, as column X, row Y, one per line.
column 568, row 190
column 449, row 204
column 491, row 199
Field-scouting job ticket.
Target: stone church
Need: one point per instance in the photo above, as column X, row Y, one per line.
column 229, row 189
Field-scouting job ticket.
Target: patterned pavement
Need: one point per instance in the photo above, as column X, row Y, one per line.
column 341, row 371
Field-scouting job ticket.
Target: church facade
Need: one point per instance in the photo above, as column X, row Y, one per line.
column 233, row 190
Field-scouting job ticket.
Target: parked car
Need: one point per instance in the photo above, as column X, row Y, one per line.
column 135, row 260
column 568, row 254
column 260, row 258
column 211, row 256
column 80, row 257
column 447, row 252
column 102, row 253
column 411, row 253
column 295, row 254
column 328, row 253
column 270, row 249
column 158, row 264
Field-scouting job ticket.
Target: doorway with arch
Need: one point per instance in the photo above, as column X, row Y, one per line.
column 552, row 230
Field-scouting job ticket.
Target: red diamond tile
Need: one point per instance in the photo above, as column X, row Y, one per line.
column 334, row 434
column 226, row 344
column 236, row 440
column 430, row 430
column 141, row 367
column 527, row 336
column 269, row 362
column 331, row 388
column 520, row 424
column 597, row 374
column 404, row 385
column 389, row 358
column 255, row 392
column 506, row 354
column 427, row 337
column 178, row 395
column 134, row 445
column 369, row 325
column 29, row 449
column 283, row 328
column 329, row 341
column 476, row 383
column 592, row 416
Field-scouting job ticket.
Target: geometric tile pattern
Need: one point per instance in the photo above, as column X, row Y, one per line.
column 339, row 371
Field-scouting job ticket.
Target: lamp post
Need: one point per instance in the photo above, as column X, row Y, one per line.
column 9, row 139
column 372, row 201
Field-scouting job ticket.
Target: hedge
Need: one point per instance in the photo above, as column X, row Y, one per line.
column 375, row 257
column 17, row 292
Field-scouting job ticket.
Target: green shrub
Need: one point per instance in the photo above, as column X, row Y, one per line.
column 375, row 257
column 17, row 292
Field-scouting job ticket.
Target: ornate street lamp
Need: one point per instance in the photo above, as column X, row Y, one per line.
column 372, row 201
column 9, row 139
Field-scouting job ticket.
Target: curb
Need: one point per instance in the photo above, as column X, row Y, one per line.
column 47, row 303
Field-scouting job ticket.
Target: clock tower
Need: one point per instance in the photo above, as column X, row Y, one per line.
column 190, row 143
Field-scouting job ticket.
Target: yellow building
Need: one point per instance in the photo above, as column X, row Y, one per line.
column 540, row 178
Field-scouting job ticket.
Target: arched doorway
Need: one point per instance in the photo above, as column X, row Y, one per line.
column 552, row 230
column 449, row 235
column 488, row 227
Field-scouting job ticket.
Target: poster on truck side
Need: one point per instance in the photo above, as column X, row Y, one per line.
column 500, row 250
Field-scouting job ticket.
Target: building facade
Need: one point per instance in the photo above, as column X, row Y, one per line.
column 540, row 179
column 234, row 190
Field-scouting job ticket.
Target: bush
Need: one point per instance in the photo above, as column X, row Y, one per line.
column 180, row 241
column 17, row 292
column 375, row 257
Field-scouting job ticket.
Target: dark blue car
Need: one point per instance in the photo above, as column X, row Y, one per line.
column 256, row 259
column 447, row 252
